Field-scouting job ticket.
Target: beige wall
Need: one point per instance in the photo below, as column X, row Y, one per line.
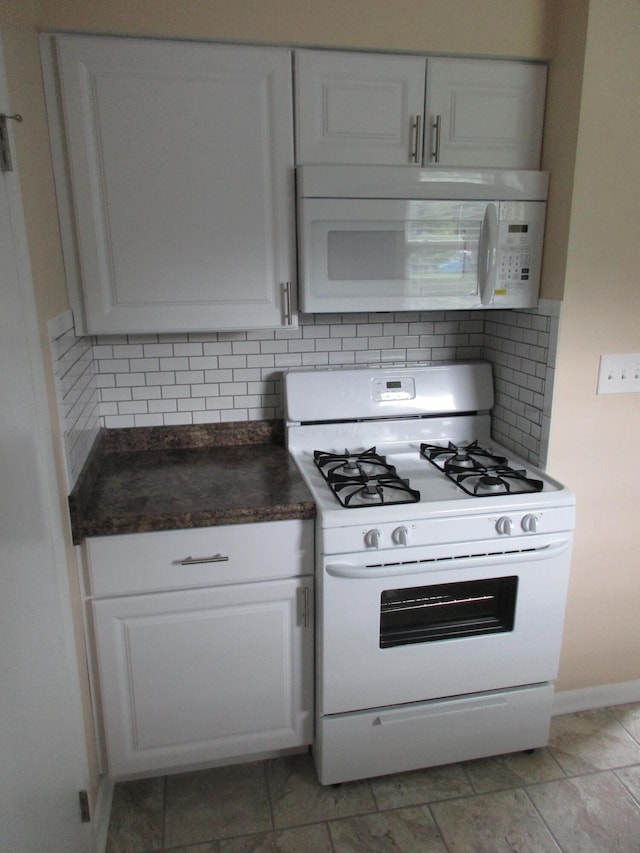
column 602, row 315
column 567, row 26
column 499, row 27
column 594, row 200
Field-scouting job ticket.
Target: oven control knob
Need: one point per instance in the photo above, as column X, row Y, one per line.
column 504, row 525
column 372, row 538
column 530, row 523
column 400, row 536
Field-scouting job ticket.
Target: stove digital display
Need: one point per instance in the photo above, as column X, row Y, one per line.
column 392, row 390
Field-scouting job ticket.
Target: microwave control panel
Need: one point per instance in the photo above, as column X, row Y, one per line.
column 520, row 248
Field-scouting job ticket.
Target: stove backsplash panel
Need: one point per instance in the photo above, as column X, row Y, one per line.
column 169, row 379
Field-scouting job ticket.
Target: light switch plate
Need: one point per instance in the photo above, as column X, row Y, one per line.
column 619, row 374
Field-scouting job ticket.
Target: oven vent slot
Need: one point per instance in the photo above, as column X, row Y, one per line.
column 450, row 557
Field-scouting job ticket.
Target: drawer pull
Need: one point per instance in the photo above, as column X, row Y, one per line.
column 194, row 561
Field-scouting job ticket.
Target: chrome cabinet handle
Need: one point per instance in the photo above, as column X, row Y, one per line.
column 306, row 621
column 194, row 561
column 288, row 313
column 415, row 127
column 437, row 126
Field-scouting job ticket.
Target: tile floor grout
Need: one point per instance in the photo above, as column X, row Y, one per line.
column 580, row 794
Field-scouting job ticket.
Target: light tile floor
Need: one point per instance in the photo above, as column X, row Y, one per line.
column 581, row 794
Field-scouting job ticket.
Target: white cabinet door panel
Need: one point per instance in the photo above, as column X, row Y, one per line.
column 181, row 160
column 490, row 113
column 358, row 108
column 205, row 675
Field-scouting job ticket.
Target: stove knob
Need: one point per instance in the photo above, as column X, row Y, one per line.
column 372, row 538
column 530, row 523
column 504, row 525
column 400, row 536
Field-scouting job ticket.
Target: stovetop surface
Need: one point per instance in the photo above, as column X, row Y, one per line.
column 438, row 495
column 396, row 410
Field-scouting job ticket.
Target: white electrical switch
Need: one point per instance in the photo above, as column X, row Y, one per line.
column 619, row 374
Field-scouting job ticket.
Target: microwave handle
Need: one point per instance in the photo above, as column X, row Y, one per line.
column 488, row 254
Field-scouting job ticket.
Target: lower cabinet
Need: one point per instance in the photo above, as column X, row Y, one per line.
column 207, row 674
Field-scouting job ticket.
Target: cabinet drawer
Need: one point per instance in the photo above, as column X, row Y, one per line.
column 207, row 556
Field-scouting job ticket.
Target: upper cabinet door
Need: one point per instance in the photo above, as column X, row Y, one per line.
column 181, row 183
column 484, row 113
column 358, row 108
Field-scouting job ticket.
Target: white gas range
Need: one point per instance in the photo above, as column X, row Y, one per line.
column 441, row 569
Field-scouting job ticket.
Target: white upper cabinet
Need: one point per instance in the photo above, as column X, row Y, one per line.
column 374, row 108
column 180, row 186
column 484, row 113
column 358, row 107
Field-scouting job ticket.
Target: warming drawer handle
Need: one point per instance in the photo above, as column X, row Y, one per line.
column 194, row 561
column 440, row 709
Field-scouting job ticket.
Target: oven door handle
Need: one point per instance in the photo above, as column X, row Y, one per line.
column 396, row 569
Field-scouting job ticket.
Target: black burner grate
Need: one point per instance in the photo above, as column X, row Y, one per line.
column 363, row 478
column 479, row 472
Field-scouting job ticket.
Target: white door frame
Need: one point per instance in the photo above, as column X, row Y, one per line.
column 43, row 755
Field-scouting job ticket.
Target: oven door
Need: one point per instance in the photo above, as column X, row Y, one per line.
column 439, row 623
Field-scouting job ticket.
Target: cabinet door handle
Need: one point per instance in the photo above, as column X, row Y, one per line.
column 194, row 561
column 437, row 126
column 415, row 151
column 306, row 620
column 288, row 313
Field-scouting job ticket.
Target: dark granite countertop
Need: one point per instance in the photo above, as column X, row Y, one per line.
column 168, row 478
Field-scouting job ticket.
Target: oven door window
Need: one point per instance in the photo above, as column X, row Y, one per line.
column 424, row 614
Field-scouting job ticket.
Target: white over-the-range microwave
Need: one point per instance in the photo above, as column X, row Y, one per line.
column 404, row 238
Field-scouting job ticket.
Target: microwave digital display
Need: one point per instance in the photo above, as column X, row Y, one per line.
column 518, row 229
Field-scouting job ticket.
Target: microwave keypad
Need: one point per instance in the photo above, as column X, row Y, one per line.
column 515, row 266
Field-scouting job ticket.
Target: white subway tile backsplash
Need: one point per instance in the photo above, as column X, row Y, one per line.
column 170, row 379
column 76, row 391
column 521, row 345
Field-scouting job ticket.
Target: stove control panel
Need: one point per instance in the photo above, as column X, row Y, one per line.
column 385, row 389
column 529, row 524
column 526, row 524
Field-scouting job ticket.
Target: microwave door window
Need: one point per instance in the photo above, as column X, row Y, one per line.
column 367, row 255
column 442, row 241
column 433, row 252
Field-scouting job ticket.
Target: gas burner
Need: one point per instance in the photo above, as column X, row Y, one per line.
column 375, row 490
column 477, row 471
column 363, row 478
column 496, row 481
column 352, row 464
column 457, row 459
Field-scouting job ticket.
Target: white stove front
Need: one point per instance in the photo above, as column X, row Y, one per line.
column 438, row 622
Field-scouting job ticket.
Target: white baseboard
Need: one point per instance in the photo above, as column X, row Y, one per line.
column 102, row 814
column 590, row 698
